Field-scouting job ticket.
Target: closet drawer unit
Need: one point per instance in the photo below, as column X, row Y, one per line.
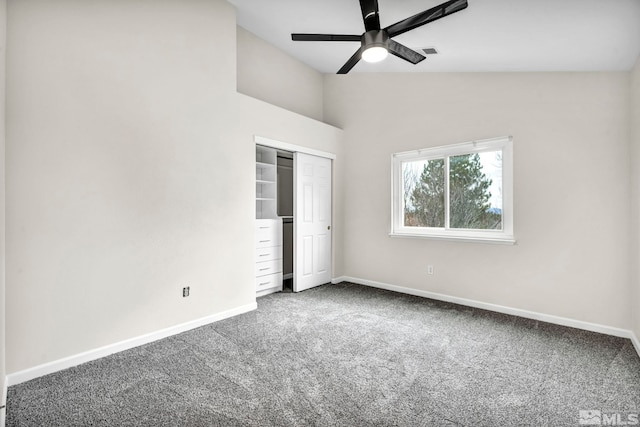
column 268, row 267
column 268, row 233
column 269, row 224
column 268, row 254
column 265, row 241
column 268, row 282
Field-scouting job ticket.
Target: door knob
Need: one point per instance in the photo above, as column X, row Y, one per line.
column 328, row 227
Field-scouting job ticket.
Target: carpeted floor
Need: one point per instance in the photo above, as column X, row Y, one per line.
column 346, row 355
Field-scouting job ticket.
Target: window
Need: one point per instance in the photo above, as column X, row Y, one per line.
column 462, row 192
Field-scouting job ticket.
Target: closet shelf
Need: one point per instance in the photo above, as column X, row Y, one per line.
column 263, row 165
column 268, row 270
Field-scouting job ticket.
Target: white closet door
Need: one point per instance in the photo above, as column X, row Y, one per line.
column 312, row 219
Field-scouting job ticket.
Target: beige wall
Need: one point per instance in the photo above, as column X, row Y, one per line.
column 268, row 74
column 571, row 186
column 3, row 34
column 114, row 191
column 635, row 184
column 130, row 171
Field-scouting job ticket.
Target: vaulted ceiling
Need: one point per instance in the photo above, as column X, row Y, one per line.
column 490, row 35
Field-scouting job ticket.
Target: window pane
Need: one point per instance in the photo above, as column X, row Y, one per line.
column 423, row 185
column 475, row 191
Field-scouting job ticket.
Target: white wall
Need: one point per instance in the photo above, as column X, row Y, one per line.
column 268, row 74
column 115, row 132
column 130, row 171
column 3, row 39
column 571, row 186
column 635, row 199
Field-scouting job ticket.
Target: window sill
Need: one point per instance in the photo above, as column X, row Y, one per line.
column 506, row 240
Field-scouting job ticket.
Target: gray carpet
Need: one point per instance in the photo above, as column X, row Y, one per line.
column 346, row 355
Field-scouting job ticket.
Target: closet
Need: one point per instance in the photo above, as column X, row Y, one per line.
column 285, row 211
column 274, row 220
column 293, row 217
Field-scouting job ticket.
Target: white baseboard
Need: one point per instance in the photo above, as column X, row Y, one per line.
column 564, row 321
column 3, row 400
column 636, row 342
column 87, row 356
column 3, row 403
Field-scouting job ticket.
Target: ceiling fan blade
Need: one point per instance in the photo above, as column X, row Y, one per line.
column 325, row 37
column 351, row 62
column 401, row 51
column 370, row 14
column 425, row 17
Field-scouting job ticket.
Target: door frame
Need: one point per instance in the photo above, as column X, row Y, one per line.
column 285, row 146
column 294, row 148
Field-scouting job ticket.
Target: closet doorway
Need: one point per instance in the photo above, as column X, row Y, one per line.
column 303, row 200
column 285, row 212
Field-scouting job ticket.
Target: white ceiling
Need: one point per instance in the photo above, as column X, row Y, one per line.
column 490, row 35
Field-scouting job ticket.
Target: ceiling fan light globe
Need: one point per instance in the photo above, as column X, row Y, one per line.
column 375, row 54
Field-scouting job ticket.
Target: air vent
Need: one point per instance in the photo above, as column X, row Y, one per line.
column 430, row 51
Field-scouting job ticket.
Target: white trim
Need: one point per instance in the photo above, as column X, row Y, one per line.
column 504, row 235
column 280, row 145
column 635, row 341
column 468, row 239
column 268, row 291
column 563, row 321
column 87, row 356
column 454, row 149
column 3, row 404
column 3, row 400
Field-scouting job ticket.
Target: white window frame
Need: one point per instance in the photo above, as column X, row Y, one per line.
column 505, row 236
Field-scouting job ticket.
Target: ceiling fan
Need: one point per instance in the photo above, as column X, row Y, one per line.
column 376, row 42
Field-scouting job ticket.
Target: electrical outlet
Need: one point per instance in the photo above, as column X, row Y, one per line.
column 429, row 269
column 185, row 291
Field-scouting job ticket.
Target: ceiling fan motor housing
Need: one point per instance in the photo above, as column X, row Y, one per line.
column 375, row 38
